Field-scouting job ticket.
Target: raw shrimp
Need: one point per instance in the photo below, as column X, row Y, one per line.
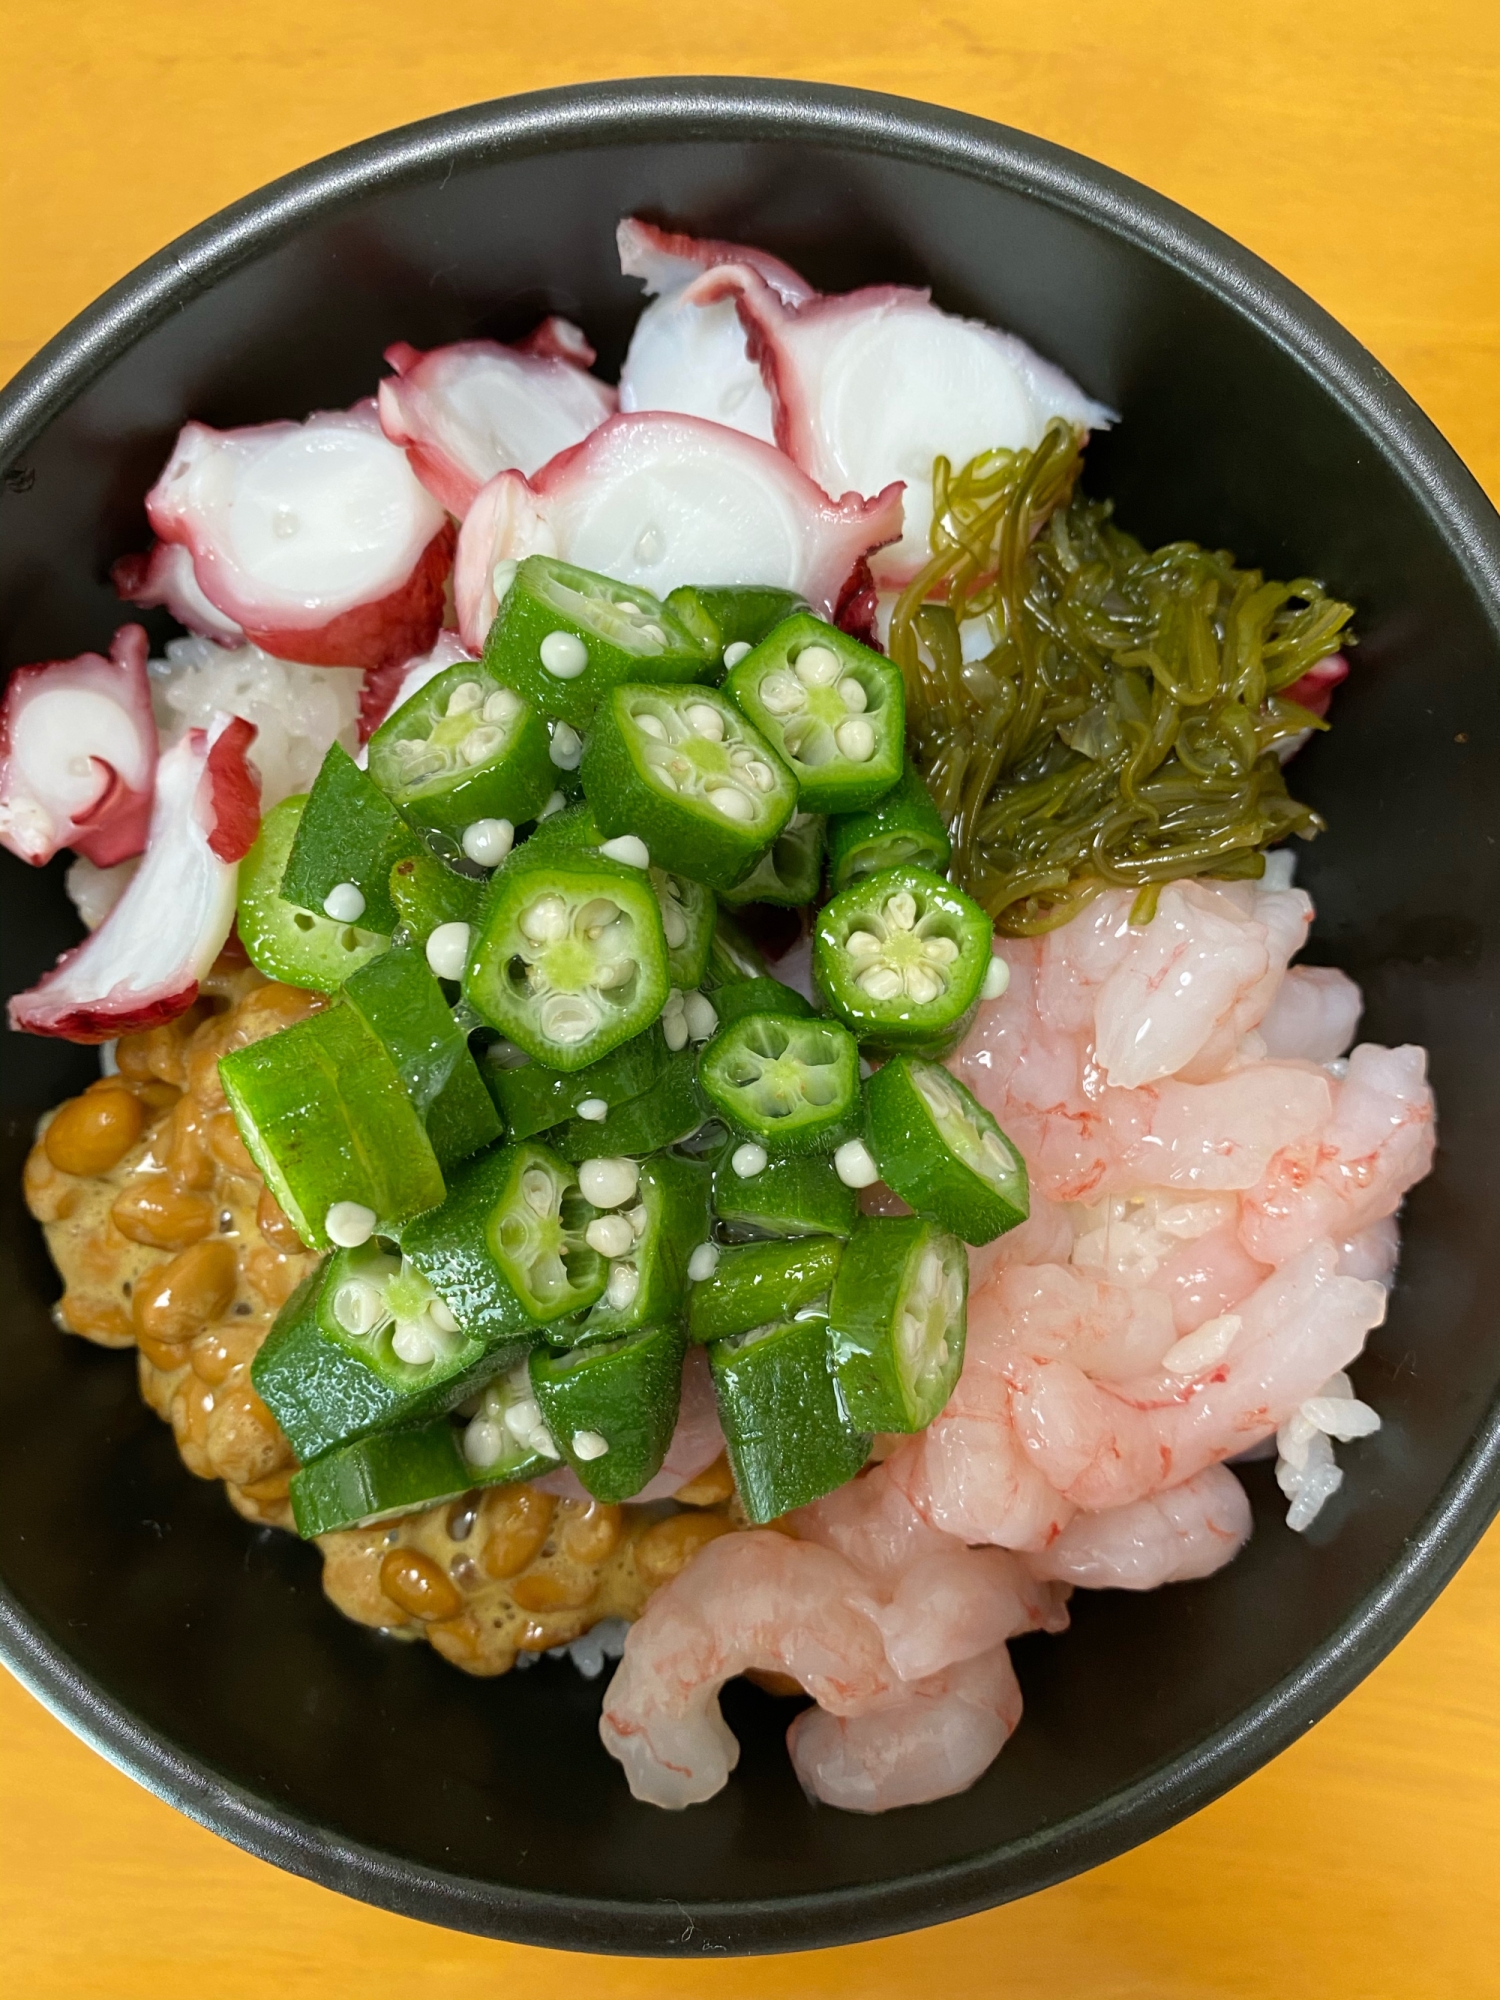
column 1187, row 1531
column 1378, row 1142
column 1314, row 1014
column 934, row 1740
column 754, row 1600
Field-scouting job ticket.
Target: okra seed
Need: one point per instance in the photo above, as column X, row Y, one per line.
column 609, row 1182
column 537, row 1191
column 855, row 1164
column 732, row 803
column 568, row 1017
column 921, row 985
column 555, row 804
column 348, row 1224
column 488, row 841
column 996, row 979
column 564, row 655
column 761, row 776
column 862, row 944
column 736, row 651
column 483, row 1442
column 654, row 631
column 674, row 1026
column 594, row 1109
column 441, row 1317
column 623, row 1284
column 856, row 739
column 448, row 950
column 702, row 1020
column 545, row 920
column 866, row 1070
column 502, row 576
column 704, row 721
column 673, row 924
column 589, row 1444
column 618, row 973
column 629, row 848
column 522, row 1418
column 880, row 981
column 703, row 1262
column 782, row 693
column 748, row 1160
column 610, row 1235
column 358, row 1306
column 566, row 748
column 481, row 743
column 901, row 911
column 503, row 706
column 939, row 950
column 852, row 695
column 817, row 666
column 418, row 1342
column 467, row 695
column 637, row 1218
column 344, row 902
column 652, row 726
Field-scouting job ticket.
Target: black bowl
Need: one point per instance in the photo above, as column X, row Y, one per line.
column 198, row 1653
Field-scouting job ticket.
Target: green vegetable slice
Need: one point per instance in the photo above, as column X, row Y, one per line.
column 463, row 748
column 801, row 1196
column 900, row 956
column 683, row 769
column 348, row 839
column 563, row 637
column 904, row 826
column 734, row 615
column 835, row 712
column 758, row 996
column 648, row 1270
column 612, row 1406
column 378, row 1478
column 790, row 872
column 791, row 1084
column 534, row 1097
column 939, row 1149
column 327, row 1119
column 399, row 999
column 425, row 893
column 326, row 1386
column 669, row 1111
column 789, row 1440
column 897, row 1321
column 687, row 922
column 569, row 959
column 754, row 1283
column 538, row 1234
column 731, row 956
column 454, row 1246
column 281, row 940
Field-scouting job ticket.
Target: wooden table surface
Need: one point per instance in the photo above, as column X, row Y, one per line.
column 1353, row 143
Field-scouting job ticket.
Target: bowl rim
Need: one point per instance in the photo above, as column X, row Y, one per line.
column 584, row 116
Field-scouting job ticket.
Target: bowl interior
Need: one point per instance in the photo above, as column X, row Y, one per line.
column 201, row 1651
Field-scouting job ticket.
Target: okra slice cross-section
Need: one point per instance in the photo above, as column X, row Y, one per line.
column 539, row 1230
column 685, row 771
column 939, row 1149
column 790, row 1440
column 462, row 749
column 790, row 872
column 835, row 711
column 790, row 1084
column 612, row 1406
column 564, row 636
column 649, row 1241
column 900, row 957
column 903, row 826
column 569, row 959
column 897, row 1321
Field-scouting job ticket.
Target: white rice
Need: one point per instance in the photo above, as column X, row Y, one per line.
column 1306, row 1470
column 602, row 1642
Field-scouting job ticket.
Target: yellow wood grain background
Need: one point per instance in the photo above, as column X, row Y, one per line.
column 1353, row 143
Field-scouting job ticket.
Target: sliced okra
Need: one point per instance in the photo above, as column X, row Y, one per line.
column 900, row 957
column 789, row 1439
column 462, row 750
column 790, row 872
column 790, row 1084
column 506, row 1438
column 801, row 1196
column 732, row 616
column 649, row 1243
column 685, row 771
column 670, row 1110
column 348, row 839
column 758, row 996
column 563, row 637
column 378, row 1478
column 835, row 711
column 612, row 1406
column 731, row 955
column 897, row 1320
column 327, row 1119
column 939, row 1149
column 902, row 827
column 534, row 1097
column 302, row 947
column 427, row 894
column 568, row 959
column 332, row 1370
column 400, row 1001
column 752, row 1284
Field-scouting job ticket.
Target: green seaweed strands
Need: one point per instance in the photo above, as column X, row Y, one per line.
column 1122, row 730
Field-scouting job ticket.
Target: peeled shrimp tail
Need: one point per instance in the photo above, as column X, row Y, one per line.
column 935, row 1739
column 958, row 1604
column 1188, row 1531
column 754, row 1600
